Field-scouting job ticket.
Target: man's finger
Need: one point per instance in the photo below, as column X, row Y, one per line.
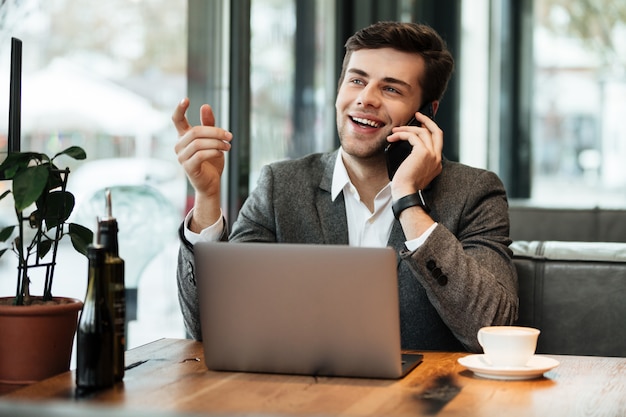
column 178, row 117
column 206, row 115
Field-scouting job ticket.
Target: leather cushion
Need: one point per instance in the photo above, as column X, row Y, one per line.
column 575, row 293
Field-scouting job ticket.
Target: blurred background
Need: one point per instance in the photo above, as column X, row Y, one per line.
column 105, row 76
column 538, row 96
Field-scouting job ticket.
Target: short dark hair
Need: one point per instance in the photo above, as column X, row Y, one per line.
column 408, row 37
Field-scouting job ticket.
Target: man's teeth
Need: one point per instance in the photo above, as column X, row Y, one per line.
column 366, row 122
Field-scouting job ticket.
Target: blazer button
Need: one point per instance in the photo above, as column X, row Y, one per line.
column 442, row 280
column 431, row 264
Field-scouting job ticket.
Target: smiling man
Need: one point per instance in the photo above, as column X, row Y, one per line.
column 448, row 222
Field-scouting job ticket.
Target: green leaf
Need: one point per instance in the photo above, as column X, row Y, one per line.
column 75, row 152
column 6, row 233
column 34, row 220
column 9, row 161
column 17, row 161
column 44, row 247
column 59, row 206
column 4, row 194
column 28, row 185
column 55, row 179
column 81, row 237
column 2, row 252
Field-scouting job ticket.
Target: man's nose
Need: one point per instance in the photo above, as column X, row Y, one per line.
column 369, row 96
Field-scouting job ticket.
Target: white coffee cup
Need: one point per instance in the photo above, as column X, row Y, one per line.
column 508, row 346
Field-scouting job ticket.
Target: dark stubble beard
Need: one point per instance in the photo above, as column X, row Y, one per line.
column 374, row 151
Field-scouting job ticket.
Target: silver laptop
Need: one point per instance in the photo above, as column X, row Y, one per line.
column 300, row 309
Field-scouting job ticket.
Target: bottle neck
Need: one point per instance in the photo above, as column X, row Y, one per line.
column 97, row 286
column 107, row 236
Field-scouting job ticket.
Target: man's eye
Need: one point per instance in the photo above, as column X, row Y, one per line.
column 391, row 90
column 356, row 81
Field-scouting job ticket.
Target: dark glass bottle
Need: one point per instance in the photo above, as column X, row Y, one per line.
column 114, row 273
column 94, row 340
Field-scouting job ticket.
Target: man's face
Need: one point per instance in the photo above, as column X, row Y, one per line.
column 380, row 90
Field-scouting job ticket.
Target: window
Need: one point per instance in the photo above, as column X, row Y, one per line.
column 579, row 135
column 292, row 80
column 106, row 76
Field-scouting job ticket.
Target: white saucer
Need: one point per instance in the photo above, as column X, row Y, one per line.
column 535, row 368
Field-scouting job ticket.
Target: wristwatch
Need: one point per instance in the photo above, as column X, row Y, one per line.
column 407, row 201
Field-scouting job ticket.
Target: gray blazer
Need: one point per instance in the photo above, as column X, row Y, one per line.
column 460, row 279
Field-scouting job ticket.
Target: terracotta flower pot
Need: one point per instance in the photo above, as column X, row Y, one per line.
column 36, row 341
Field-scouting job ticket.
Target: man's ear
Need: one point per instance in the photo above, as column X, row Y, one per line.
column 435, row 107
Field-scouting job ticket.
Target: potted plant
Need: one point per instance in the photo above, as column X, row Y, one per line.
column 42, row 207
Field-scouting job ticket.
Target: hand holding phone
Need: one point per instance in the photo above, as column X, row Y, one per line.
column 397, row 152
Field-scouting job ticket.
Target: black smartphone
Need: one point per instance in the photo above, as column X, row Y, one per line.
column 397, row 152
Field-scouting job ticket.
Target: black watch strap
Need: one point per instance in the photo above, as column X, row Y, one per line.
column 407, row 201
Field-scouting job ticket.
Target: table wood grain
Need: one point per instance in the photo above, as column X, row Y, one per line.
column 169, row 375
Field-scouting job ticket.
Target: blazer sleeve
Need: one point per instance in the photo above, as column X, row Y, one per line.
column 186, row 282
column 466, row 265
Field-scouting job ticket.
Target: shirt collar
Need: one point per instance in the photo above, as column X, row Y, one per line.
column 341, row 180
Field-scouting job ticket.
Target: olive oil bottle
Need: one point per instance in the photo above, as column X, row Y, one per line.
column 114, row 273
column 94, row 339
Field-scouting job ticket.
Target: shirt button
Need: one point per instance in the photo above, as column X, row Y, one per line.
column 442, row 280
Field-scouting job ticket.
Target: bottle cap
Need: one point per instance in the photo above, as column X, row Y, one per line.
column 107, row 224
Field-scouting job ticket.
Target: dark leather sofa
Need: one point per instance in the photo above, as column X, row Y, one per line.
column 575, row 293
column 591, row 224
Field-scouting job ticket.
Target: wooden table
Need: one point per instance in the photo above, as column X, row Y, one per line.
column 169, row 378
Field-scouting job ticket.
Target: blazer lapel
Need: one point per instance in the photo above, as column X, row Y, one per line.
column 332, row 214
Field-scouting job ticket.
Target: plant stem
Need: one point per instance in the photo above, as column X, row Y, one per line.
column 22, row 267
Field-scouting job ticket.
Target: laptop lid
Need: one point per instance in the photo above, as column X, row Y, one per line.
column 300, row 309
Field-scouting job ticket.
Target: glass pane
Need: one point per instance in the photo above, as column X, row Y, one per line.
column 272, row 24
column 106, row 76
column 579, row 135
column 291, row 117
